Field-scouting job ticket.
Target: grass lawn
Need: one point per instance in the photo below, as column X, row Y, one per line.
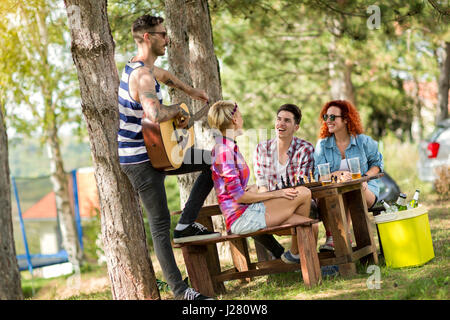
column 430, row 281
column 426, row 282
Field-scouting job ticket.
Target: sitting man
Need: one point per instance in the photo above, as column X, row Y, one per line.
column 280, row 161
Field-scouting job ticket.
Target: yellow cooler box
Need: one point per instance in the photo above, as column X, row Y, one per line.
column 405, row 237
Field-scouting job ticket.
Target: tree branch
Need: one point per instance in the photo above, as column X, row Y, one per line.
column 436, row 6
column 324, row 3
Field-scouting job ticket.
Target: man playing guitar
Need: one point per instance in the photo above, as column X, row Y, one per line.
column 140, row 96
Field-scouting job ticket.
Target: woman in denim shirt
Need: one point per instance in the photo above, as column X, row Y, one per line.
column 341, row 138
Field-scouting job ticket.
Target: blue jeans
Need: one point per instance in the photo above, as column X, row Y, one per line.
column 149, row 183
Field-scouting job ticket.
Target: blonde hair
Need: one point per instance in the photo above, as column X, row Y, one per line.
column 220, row 115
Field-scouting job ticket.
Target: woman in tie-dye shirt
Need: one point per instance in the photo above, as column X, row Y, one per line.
column 244, row 208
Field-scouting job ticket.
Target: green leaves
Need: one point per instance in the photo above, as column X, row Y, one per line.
column 275, row 52
column 38, row 79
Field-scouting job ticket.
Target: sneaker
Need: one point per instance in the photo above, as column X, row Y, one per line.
column 329, row 271
column 191, row 294
column 193, row 232
column 328, row 246
column 289, row 259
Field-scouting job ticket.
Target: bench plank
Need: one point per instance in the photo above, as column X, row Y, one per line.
column 258, row 269
column 229, row 237
column 203, row 264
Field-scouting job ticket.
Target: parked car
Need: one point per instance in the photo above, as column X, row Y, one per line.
column 434, row 152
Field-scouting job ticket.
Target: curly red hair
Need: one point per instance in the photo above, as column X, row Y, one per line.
column 349, row 113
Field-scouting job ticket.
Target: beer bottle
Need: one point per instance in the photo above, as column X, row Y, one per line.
column 415, row 200
column 389, row 209
column 385, row 205
column 401, row 202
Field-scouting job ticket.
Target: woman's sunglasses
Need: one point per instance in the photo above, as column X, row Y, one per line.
column 332, row 117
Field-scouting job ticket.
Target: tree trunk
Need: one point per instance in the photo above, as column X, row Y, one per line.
column 193, row 60
column 340, row 70
column 444, row 82
column 341, row 86
column 129, row 266
column 205, row 74
column 61, row 188
column 348, row 84
column 10, row 286
column 417, row 122
column 35, row 20
column 178, row 57
column 340, row 73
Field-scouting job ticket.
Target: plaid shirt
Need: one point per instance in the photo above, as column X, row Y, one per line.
column 300, row 162
column 230, row 174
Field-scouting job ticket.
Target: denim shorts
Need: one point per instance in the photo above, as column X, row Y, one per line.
column 253, row 219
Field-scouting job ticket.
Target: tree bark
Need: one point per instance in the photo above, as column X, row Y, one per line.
column 61, row 188
column 417, row 122
column 38, row 34
column 10, row 285
column 340, row 73
column 192, row 59
column 129, row 266
column 348, row 83
column 178, row 57
column 340, row 70
column 444, row 82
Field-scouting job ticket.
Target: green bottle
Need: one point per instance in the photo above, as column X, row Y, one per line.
column 401, row 202
column 415, row 200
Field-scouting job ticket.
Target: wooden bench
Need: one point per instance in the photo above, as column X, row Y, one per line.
column 203, row 264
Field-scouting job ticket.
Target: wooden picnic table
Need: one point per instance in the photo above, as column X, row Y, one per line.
column 334, row 201
column 202, row 259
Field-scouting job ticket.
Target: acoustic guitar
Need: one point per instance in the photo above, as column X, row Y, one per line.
column 166, row 144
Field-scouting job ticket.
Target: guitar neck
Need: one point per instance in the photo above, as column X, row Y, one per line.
column 202, row 112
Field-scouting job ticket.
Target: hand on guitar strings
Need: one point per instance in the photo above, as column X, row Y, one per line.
column 182, row 118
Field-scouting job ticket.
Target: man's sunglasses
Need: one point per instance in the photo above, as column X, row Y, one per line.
column 331, row 116
column 163, row 33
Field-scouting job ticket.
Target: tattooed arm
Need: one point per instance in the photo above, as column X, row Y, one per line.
column 155, row 111
column 172, row 81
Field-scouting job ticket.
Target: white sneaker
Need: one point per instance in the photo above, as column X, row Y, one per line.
column 191, row 294
column 328, row 246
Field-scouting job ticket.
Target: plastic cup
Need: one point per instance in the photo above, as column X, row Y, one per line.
column 355, row 169
column 324, row 172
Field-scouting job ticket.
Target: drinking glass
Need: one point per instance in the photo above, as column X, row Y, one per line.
column 324, row 172
column 355, row 169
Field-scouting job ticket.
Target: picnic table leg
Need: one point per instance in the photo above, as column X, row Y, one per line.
column 361, row 224
column 195, row 258
column 261, row 253
column 240, row 255
column 337, row 222
column 309, row 260
column 212, row 257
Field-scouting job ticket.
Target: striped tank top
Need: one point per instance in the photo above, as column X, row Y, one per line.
column 130, row 139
